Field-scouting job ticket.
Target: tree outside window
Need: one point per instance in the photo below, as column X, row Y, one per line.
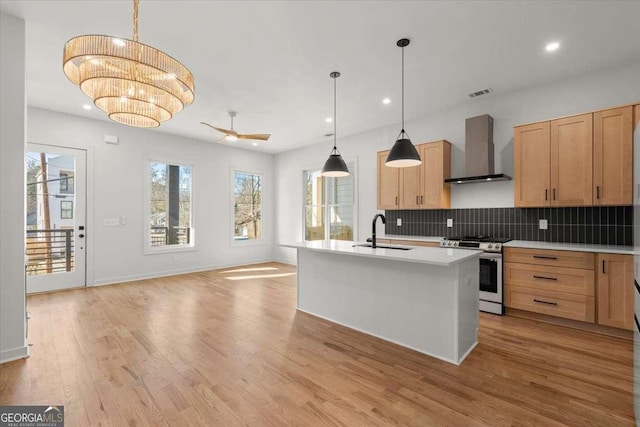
column 247, row 203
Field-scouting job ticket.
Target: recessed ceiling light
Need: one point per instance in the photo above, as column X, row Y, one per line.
column 552, row 46
column 254, row 144
column 386, row 101
column 328, row 120
column 86, row 107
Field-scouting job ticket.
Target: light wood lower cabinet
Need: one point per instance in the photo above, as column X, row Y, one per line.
column 615, row 290
column 557, row 279
column 560, row 304
column 556, row 283
column 595, row 288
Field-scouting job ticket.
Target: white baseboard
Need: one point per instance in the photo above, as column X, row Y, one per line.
column 166, row 273
column 15, row 354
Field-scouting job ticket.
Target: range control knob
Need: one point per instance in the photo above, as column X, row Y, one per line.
column 490, row 245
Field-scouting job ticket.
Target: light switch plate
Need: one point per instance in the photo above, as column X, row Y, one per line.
column 450, row 222
column 111, row 222
column 544, row 224
column 399, row 222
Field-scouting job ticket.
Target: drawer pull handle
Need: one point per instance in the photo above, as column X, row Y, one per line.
column 545, row 257
column 545, row 302
column 544, row 277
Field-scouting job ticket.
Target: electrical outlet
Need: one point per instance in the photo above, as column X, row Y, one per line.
column 399, row 222
column 450, row 222
column 111, row 222
column 544, row 224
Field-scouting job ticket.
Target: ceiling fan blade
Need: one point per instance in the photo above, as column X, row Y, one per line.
column 256, row 136
column 227, row 131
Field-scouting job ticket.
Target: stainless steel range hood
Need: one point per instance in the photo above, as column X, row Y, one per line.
column 478, row 149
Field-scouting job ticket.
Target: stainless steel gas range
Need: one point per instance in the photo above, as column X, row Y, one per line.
column 491, row 286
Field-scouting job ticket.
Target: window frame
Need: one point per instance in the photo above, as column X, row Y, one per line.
column 327, row 206
column 148, row 249
column 64, row 210
column 232, row 213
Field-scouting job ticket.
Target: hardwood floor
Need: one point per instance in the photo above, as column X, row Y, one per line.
column 228, row 348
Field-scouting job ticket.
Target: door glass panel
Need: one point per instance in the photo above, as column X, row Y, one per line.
column 341, row 207
column 50, row 221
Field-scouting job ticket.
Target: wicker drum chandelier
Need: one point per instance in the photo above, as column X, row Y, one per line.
column 135, row 84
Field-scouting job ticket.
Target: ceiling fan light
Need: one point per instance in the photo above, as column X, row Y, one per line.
column 403, row 154
column 231, row 138
column 335, row 167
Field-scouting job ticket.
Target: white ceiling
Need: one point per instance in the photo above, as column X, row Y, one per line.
column 270, row 61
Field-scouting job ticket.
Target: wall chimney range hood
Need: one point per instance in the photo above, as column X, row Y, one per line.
column 478, row 150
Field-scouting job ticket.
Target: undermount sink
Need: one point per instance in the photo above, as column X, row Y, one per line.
column 369, row 245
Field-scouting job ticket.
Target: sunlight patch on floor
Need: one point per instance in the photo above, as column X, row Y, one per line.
column 248, row 269
column 260, row 276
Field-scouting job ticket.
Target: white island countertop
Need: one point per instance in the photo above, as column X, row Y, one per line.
column 424, row 255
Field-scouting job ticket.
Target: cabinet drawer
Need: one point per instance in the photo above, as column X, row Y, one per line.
column 559, row 304
column 571, row 259
column 414, row 243
column 558, row 279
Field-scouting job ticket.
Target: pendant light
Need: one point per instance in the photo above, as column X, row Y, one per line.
column 335, row 167
column 403, row 154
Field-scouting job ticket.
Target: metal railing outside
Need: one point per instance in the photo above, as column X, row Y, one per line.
column 160, row 235
column 49, row 251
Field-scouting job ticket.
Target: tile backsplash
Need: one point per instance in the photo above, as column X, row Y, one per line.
column 597, row 225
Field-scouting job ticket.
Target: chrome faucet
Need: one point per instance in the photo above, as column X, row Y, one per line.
column 373, row 228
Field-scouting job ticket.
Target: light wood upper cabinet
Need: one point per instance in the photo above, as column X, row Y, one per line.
column 388, row 184
column 614, row 279
column 613, row 157
column 419, row 187
column 572, row 161
column 532, row 157
column 435, row 168
column 410, row 187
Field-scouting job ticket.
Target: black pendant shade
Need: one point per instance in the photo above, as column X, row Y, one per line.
column 403, row 154
column 335, row 167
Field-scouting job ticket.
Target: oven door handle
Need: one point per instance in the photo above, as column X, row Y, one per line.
column 486, row 255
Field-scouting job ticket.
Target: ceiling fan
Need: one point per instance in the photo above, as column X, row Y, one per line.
column 232, row 135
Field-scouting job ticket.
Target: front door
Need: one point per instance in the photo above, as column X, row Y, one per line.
column 55, row 223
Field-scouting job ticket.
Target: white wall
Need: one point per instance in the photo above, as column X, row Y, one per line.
column 115, row 187
column 579, row 94
column 12, row 207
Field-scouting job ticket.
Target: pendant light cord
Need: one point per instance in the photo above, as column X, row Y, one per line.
column 403, row 89
column 135, row 20
column 334, row 113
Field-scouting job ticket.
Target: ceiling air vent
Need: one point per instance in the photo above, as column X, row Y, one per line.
column 480, row 92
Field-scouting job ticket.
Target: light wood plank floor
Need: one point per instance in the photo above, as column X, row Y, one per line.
column 228, row 348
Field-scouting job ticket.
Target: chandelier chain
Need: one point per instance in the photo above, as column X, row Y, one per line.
column 135, row 20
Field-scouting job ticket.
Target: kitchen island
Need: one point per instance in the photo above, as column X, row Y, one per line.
column 423, row 298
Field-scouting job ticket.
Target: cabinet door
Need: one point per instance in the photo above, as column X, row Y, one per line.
column 388, row 184
column 613, row 157
column 572, row 161
column 532, row 154
column 615, row 290
column 436, row 167
column 410, row 187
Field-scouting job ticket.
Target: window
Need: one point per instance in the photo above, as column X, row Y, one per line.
column 66, row 182
column 329, row 205
column 169, row 206
column 66, row 209
column 247, row 206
